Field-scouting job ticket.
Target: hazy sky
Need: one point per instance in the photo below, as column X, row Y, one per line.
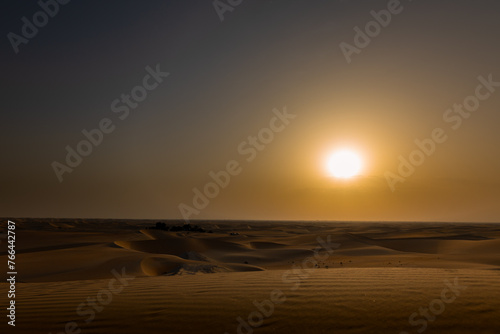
column 224, row 80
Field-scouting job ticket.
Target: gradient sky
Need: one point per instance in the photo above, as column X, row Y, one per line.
column 226, row 77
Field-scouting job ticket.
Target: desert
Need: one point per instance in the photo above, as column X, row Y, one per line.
column 126, row 276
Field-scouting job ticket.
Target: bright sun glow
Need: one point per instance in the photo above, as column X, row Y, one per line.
column 344, row 164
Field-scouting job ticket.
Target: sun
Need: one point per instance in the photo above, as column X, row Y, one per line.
column 344, row 164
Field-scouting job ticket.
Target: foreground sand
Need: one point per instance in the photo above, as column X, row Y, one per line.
column 268, row 277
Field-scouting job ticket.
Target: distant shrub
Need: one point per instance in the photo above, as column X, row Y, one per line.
column 178, row 228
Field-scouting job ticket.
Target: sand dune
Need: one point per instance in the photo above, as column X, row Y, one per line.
column 355, row 300
column 171, row 265
column 375, row 277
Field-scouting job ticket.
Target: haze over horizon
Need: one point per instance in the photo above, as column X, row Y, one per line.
column 227, row 80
